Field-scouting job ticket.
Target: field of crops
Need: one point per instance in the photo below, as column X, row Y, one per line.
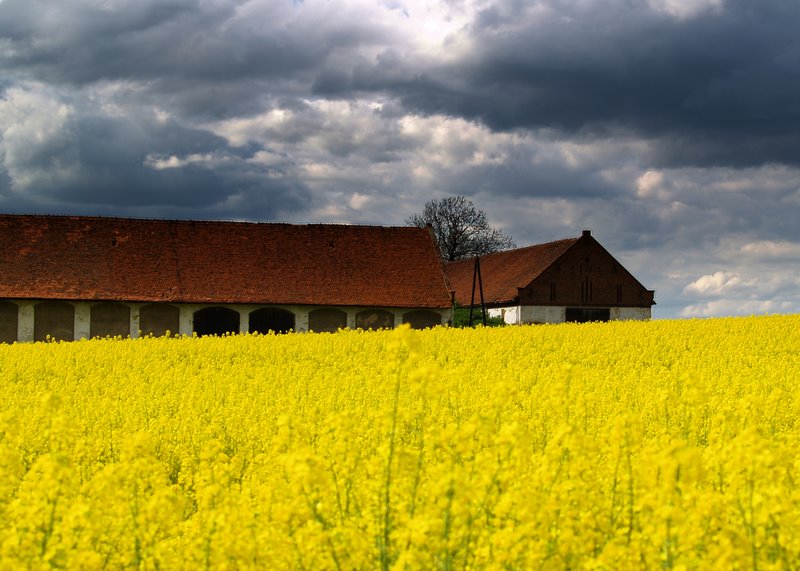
column 667, row 444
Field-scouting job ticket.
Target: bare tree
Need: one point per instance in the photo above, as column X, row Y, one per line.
column 461, row 230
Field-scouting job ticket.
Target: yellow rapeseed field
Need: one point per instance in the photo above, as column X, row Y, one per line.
column 666, row 444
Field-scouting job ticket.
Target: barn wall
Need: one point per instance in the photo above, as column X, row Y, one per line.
column 630, row 313
column 82, row 319
column 557, row 314
column 543, row 314
column 510, row 315
column 25, row 322
column 586, row 275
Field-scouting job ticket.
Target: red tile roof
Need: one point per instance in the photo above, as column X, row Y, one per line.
column 89, row 258
column 503, row 273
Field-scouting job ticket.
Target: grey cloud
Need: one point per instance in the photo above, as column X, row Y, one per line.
column 99, row 161
column 184, row 39
column 518, row 177
column 728, row 80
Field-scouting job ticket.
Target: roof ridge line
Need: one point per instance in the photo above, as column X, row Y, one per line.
column 200, row 221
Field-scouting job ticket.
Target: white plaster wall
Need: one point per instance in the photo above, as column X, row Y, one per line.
column 82, row 319
column 244, row 318
column 630, row 313
column 300, row 318
column 186, row 318
column 134, row 307
column 510, row 315
column 25, row 321
column 543, row 314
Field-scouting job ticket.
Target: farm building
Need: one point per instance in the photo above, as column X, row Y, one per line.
column 568, row 280
column 70, row 277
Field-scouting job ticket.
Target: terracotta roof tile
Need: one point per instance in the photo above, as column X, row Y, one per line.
column 89, row 258
column 503, row 273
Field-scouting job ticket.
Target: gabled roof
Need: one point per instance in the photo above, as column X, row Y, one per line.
column 91, row 258
column 504, row 273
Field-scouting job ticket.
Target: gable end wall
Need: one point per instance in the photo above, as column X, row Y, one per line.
column 586, row 259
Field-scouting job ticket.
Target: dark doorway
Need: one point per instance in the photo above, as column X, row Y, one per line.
column 8, row 321
column 216, row 321
column 374, row 319
column 422, row 319
column 110, row 320
column 271, row 319
column 159, row 319
column 55, row 319
column 587, row 314
column 327, row 320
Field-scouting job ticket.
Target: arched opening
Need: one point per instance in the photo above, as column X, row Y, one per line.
column 158, row 319
column 54, row 318
column 327, row 320
column 422, row 319
column 374, row 319
column 269, row 319
column 216, row 321
column 9, row 316
column 587, row 314
column 110, row 320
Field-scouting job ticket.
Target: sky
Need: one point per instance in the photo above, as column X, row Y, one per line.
column 669, row 128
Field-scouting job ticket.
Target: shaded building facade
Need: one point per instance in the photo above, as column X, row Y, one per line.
column 575, row 279
column 72, row 277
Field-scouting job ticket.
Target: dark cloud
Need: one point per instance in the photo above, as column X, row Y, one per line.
column 518, row 177
column 726, row 79
column 173, row 40
column 129, row 163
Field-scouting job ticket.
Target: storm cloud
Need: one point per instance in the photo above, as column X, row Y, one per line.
column 671, row 128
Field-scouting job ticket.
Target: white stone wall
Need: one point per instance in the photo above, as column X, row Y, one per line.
column 82, row 323
column 82, row 319
column 25, row 321
column 630, row 313
column 510, row 315
column 543, row 314
column 558, row 314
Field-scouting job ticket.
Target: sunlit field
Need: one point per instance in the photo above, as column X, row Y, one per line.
column 666, row 444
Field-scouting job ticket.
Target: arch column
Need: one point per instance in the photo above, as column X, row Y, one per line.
column 134, row 327
column 301, row 319
column 244, row 319
column 25, row 321
column 187, row 319
column 82, row 320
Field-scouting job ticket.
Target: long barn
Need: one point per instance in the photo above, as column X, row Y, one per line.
column 73, row 277
column 574, row 279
